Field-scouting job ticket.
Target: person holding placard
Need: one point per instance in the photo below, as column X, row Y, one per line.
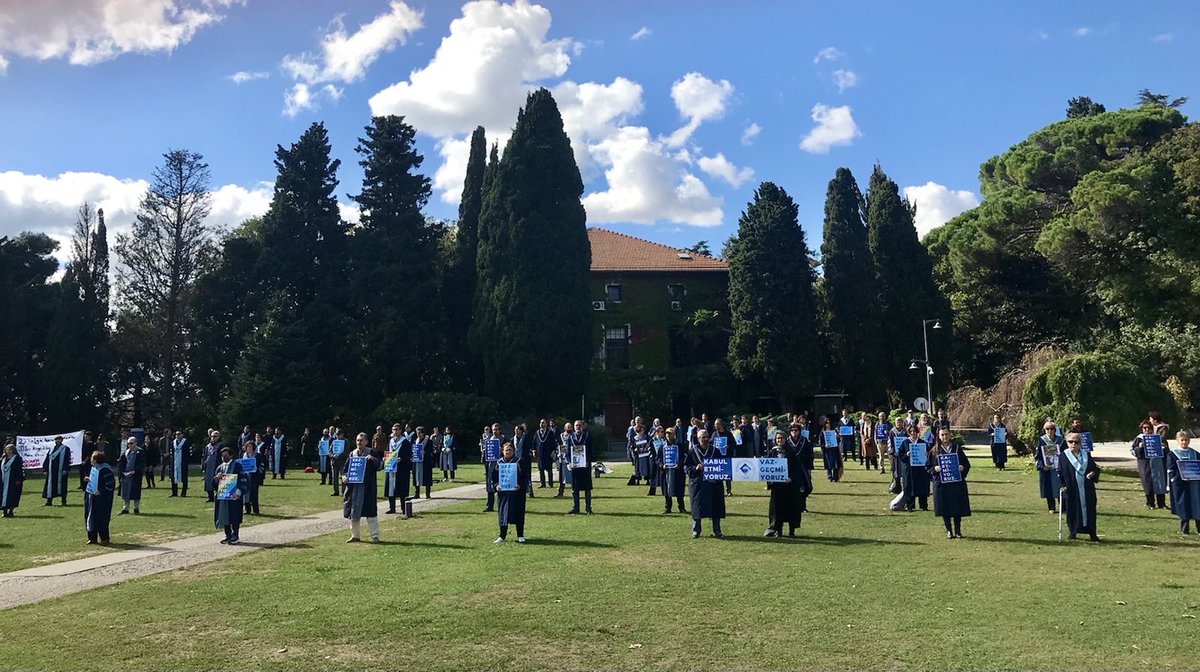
column 722, row 440
column 582, row 458
column 845, row 430
column 667, row 453
column 490, row 454
column 1150, row 448
column 99, row 487
column 12, row 478
column 914, row 460
column 640, row 450
column 361, row 493
column 999, row 441
column 897, row 435
column 232, row 484
column 279, row 452
column 131, row 465
column 423, row 462
column 210, row 458
column 56, row 466
column 510, row 494
column 785, row 497
column 1078, row 473
column 707, row 497
column 1183, row 469
column 254, row 469
column 1045, row 457
column 449, row 445
column 180, row 457
column 948, row 472
column 337, row 459
column 563, row 457
column 323, row 455
column 831, row 452
column 396, row 475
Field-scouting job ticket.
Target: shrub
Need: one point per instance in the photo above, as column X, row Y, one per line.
column 466, row 413
column 1107, row 393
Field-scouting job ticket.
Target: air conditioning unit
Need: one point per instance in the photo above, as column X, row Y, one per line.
column 676, row 305
column 598, row 305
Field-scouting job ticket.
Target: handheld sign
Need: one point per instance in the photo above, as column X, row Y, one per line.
column 761, row 469
column 579, row 457
column 831, row 438
column 249, row 464
column 339, row 447
column 721, row 444
column 1000, row 436
column 1050, row 456
column 1085, row 441
column 643, row 448
column 845, row 430
column 1152, row 445
column 880, row 432
column 418, row 452
column 928, row 436
column 356, row 469
column 323, row 448
column 93, row 484
column 391, row 461
column 670, row 456
column 227, row 487
column 897, row 441
column 737, row 436
column 508, row 476
column 717, row 469
column 804, row 432
column 950, row 471
column 917, row 457
column 1189, row 470
column 491, row 450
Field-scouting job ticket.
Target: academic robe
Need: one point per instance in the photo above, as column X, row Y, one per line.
column 785, row 497
column 12, row 478
column 446, row 456
column 253, row 479
column 181, row 457
column 431, row 451
column 360, row 500
column 55, row 465
column 323, row 460
column 706, row 497
column 643, row 462
column 950, row 499
column 419, row 447
column 510, row 504
column 279, row 450
column 563, row 452
column 1185, row 495
column 999, row 450
column 581, row 478
column 831, row 455
column 1079, row 501
column 915, row 479
column 673, row 481
column 1152, row 471
column 211, row 458
column 893, row 455
column 1048, row 481
column 845, row 443
column 97, row 508
column 802, row 475
column 229, row 511
column 395, row 484
column 545, row 442
column 135, row 461
column 523, row 454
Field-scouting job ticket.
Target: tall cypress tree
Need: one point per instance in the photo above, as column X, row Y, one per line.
column 460, row 284
column 907, row 293
column 771, row 298
column 533, row 318
column 850, row 292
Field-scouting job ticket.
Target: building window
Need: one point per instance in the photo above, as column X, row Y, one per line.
column 616, row 348
column 676, row 291
column 612, row 292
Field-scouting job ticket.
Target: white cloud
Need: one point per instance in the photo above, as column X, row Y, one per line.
column 448, row 178
column 720, row 167
column 845, row 79
column 835, row 127
column 346, row 57
column 87, row 32
column 937, row 205
column 750, row 133
column 593, row 111
column 828, row 54
column 1083, row 31
column 641, row 34
column 698, row 99
column 1163, row 38
column 242, row 76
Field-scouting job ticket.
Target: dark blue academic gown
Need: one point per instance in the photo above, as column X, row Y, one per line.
column 229, row 511
column 97, row 508
column 12, row 478
column 544, row 444
column 181, row 457
column 1079, row 501
column 523, row 453
column 360, row 500
column 999, row 450
column 446, row 456
column 1048, row 483
column 915, row 479
column 396, row 483
column 135, row 461
column 1185, row 495
column 581, row 478
column 802, row 476
column 279, row 451
column 785, row 497
column 707, row 497
column 423, row 468
column 211, row 458
column 510, row 504
column 950, row 499
column 56, row 465
column 639, row 449
column 323, row 460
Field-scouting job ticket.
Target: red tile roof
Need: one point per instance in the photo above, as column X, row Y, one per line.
column 612, row 251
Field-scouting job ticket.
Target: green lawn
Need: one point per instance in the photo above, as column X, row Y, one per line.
column 629, row 589
column 40, row 535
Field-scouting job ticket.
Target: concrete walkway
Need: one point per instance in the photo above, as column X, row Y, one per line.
column 35, row 584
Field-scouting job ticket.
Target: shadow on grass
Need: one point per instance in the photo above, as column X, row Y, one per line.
column 638, row 514
column 17, row 514
column 260, row 544
column 426, row 544
column 577, row 543
column 822, row 539
column 159, row 514
column 1151, row 543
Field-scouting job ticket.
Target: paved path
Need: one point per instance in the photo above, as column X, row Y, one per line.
column 1107, row 454
column 35, row 584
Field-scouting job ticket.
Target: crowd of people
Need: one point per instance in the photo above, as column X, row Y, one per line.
column 919, row 453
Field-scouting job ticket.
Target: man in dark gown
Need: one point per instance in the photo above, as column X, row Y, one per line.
column 1078, row 473
column 707, row 497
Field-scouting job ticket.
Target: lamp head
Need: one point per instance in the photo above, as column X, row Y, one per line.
column 937, row 324
column 912, row 366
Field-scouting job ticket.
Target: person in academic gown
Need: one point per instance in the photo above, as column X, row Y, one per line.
column 97, row 508
column 1152, row 471
column 448, row 464
column 545, row 444
column 999, row 448
column 673, row 480
column 12, row 478
column 563, row 457
column 831, row 453
column 254, row 479
column 1078, row 473
column 1185, row 494
column 210, row 458
column 227, row 513
column 56, row 466
column 510, row 504
column 279, row 452
column 422, row 470
column 180, row 457
column 152, row 459
column 707, row 497
column 581, row 477
column 942, row 422
column 396, row 483
column 719, row 429
column 643, row 462
column 493, row 435
column 359, row 500
column 1046, row 454
column 164, row 456
column 85, row 466
column 336, row 461
column 785, row 497
column 950, row 500
column 898, row 431
column 846, row 441
column 796, row 442
column 915, row 479
column 323, row 455
column 523, row 451
column 131, row 465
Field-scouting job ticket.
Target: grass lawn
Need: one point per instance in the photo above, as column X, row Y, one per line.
column 41, row 535
column 628, row 589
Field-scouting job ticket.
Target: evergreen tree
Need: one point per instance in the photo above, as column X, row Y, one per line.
column 850, row 293
column 533, row 318
column 771, row 298
column 460, row 284
column 907, row 293
column 1083, row 107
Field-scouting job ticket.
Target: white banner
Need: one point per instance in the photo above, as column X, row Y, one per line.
column 33, row 449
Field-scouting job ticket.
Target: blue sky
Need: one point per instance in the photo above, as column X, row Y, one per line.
column 662, row 98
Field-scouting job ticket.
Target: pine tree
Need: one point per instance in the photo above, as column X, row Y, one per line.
column 533, row 318
column 850, row 293
column 907, row 293
column 460, row 283
column 771, row 298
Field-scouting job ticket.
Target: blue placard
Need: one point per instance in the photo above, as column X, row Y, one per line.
column 917, row 454
column 845, row 430
column 139, row 436
column 1152, row 444
column 831, row 438
column 949, row 464
column 249, row 464
column 356, row 469
column 670, row 455
column 1085, row 441
column 897, row 441
column 805, row 433
column 1000, row 436
column 323, row 447
column 928, row 436
column 1189, row 470
column 339, row 446
column 93, row 484
column 508, row 476
column 881, row 432
column 718, row 469
column 418, row 452
column 491, row 450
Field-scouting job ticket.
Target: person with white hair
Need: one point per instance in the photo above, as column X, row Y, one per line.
column 130, row 466
column 1185, row 487
column 360, row 496
column 707, row 497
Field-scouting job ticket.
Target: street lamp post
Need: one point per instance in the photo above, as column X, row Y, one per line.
column 937, row 324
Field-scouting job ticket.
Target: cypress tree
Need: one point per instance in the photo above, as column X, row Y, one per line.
column 460, row 285
column 850, row 292
column 533, row 318
column 771, row 298
column 907, row 293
